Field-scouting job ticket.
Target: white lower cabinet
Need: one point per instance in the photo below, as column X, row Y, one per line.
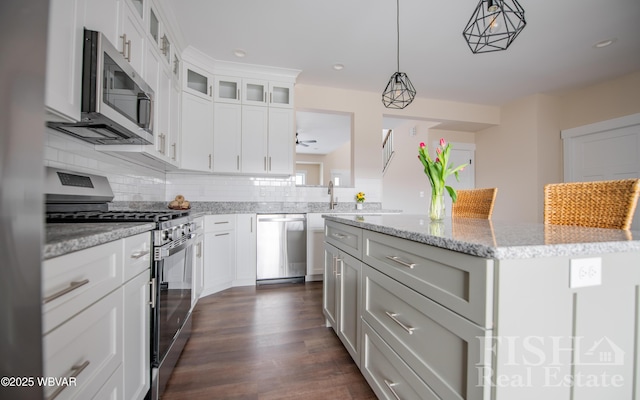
column 198, row 262
column 315, row 246
column 220, row 252
column 87, row 348
column 137, row 334
column 96, row 320
column 246, row 250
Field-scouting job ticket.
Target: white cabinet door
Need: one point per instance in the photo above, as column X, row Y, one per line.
column 227, row 137
column 281, row 94
column 246, row 250
column 137, row 326
column 197, row 82
column 315, row 246
column 255, row 121
column 197, row 133
column 104, row 16
column 254, row 92
column 280, row 146
column 175, row 133
column 227, row 89
column 198, row 270
column 220, row 253
column 64, row 58
column 132, row 37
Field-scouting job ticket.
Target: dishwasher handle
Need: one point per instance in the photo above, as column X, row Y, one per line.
column 280, row 219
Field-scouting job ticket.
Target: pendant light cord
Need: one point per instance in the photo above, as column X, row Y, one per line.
column 398, row 32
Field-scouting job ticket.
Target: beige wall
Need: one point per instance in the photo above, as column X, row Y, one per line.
column 524, row 152
column 519, row 155
column 600, row 102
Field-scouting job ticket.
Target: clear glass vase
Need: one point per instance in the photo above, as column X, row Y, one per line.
column 436, row 209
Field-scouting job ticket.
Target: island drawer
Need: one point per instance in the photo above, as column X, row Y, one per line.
column 460, row 282
column 445, row 350
column 344, row 237
column 387, row 374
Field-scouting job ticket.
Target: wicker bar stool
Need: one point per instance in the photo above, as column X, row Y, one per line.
column 600, row 204
column 474, row 203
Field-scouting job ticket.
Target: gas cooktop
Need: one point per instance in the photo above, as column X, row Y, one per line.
column 114, row 216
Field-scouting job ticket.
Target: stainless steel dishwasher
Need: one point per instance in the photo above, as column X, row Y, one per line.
column 282, row 248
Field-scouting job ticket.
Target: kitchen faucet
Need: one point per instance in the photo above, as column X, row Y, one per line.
column 332, row 204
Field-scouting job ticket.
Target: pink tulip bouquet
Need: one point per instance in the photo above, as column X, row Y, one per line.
column 438, row 171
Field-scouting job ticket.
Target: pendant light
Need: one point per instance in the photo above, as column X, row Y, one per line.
column 494, row 25
column 399, row 92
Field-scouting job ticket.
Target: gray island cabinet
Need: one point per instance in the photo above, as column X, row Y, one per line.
column 475, row 309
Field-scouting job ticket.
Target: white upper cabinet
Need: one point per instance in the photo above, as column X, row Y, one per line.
column 198, row 82
column 254, row 92
column 132, row 36
column 227, row 89
column 281, row 94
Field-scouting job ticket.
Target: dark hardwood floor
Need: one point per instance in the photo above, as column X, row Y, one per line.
column 261, row 343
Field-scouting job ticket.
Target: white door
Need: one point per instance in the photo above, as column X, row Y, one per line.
column 604, row 151
column 461, row 153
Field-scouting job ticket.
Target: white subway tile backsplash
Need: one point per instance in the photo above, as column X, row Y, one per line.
column 132, row 182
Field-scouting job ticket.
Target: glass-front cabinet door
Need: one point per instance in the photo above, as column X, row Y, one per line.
column 281, row 94
column 227, row 89
column 138, row 6
column 197, row 82
column 255, row 92
column 154, row 27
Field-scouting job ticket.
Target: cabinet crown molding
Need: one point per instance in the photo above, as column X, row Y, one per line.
column 229, row 68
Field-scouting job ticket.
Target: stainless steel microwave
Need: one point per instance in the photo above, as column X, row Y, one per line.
column 117, row 105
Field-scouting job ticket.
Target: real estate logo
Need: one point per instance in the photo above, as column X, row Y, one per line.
column 551, row 361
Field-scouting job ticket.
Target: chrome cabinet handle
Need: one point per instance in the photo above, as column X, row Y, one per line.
column 390, row 385
column 238, row 95
column 401, row 262
column 72, row 286
column 175, row 155
column 152, row 302
column 339, row 235
column 341, row 261
column 124, row 45
column 139, row 254
column 77, row 369
column 209, row 161
column 210, row 91
column 393, row 316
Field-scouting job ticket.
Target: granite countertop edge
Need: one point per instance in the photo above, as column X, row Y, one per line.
column 500, row 252
column 63, row 239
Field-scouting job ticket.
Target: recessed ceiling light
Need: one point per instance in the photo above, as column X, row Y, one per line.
column 239, row 53
column 338, row 67
column 603, row 43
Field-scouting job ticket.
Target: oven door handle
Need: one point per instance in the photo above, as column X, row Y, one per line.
column 164, row 252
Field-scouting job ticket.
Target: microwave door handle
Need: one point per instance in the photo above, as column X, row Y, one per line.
column 148, row 110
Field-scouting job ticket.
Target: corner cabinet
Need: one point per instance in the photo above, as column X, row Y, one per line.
column 235, row 119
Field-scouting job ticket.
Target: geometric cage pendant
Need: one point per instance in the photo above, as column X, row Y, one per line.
column 494, row 25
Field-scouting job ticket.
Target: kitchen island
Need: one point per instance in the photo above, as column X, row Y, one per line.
column 480, row 309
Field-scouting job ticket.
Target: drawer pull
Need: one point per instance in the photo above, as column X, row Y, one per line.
column 139, row 254
column 340, row 235
column 77, row 369
column 390, row 386
column 339, row 260
column 401, row 262
column 72, row 286
column 403, row 326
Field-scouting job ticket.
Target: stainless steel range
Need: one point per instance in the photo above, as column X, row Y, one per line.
column 73, row 197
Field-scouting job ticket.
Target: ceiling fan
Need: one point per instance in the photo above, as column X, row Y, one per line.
column 304, row 142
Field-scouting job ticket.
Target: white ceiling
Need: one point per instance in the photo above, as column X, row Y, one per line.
column 554, row 52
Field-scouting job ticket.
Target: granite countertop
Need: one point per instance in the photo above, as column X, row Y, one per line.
column 69, row 237
column 497, row 239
